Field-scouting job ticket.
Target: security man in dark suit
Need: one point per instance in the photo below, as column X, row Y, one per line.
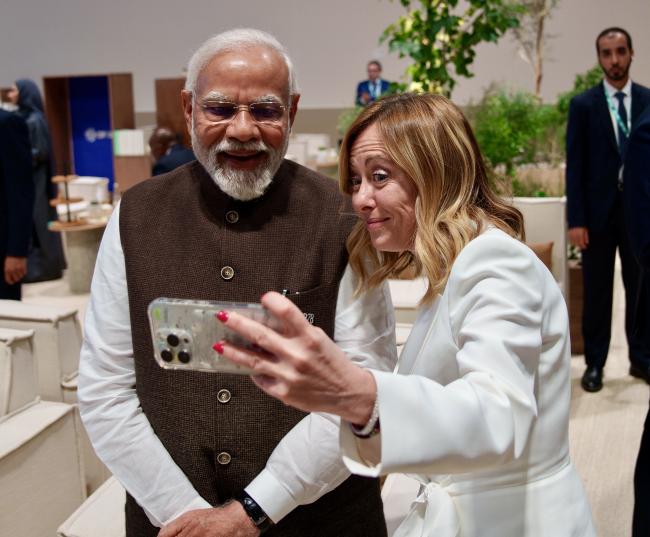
column 637, row 216
column 600, row 121
column 17, row 199
column 167, row 151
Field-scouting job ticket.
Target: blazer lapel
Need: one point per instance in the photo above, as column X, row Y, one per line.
column 417, row 340
column 639, row 104
column 604, row 117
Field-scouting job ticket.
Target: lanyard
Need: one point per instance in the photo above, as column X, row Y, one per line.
column 625, row 128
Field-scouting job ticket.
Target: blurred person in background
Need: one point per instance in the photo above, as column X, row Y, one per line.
column 17, row 199
column 46, row 260
column 368, row 91
column 167, row 151
column 598, row 127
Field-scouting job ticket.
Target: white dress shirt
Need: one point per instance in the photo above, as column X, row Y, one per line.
column 305, row 464
column 627, row 102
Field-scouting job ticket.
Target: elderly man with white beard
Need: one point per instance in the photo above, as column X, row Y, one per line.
column 207, row 453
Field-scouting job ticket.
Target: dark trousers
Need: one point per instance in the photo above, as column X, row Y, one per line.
column 598, row 279
column 641, row 519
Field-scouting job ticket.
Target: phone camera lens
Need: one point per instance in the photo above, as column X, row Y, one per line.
column 166, row 355
column 173, row 340
column 184, row 356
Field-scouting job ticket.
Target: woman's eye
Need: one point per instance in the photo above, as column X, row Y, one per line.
column 355, row 182
column 379, row 176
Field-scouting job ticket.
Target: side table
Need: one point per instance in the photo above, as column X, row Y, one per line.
column 81, row 246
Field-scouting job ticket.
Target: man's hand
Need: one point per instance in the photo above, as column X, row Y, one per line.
column 15, row 269
column 579, row 237
column 228, row 521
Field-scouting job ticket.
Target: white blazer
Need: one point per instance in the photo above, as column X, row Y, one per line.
column 479, row 409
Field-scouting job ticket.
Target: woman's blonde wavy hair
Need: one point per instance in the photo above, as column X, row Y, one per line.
column 429, row 138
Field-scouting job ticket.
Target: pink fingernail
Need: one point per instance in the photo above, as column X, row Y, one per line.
column 222, row 316
column 218, row 347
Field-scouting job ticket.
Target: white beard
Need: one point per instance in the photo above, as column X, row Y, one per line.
column 241, row 185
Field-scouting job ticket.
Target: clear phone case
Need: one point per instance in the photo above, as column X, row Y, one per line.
column 183, row 332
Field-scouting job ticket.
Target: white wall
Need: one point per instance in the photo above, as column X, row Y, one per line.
column 330, row 41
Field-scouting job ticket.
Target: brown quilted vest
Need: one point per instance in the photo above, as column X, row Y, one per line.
column 184, row 238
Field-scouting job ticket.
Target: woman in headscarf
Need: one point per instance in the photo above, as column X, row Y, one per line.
column 46, row 260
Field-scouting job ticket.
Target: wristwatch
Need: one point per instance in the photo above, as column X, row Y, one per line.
column 254, row 512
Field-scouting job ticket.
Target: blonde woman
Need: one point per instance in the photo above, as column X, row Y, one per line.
column 479, row 409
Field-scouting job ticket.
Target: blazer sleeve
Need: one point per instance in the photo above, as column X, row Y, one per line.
column 16, row 163
column 576, row 159
column 483, row 418
column 39, row 139
column 361, row 88
column 636, row 193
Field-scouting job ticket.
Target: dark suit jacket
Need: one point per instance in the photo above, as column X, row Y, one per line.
column 177, row 156
column 592, row 156
column 16, row 186
column 636, row 199
column 364, row 87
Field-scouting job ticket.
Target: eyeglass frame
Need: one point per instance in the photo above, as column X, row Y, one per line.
column 239, row 107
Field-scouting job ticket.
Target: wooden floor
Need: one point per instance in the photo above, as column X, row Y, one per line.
column 605, row 427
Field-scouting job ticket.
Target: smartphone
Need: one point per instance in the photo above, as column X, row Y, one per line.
column 183, row 332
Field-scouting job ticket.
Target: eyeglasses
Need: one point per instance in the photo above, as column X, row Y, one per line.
column 267, row 113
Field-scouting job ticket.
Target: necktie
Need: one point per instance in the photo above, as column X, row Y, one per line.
column 622, row 113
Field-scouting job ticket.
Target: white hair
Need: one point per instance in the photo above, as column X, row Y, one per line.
column 234, row 40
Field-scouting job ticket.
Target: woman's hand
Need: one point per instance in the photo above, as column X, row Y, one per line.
column 301, row 367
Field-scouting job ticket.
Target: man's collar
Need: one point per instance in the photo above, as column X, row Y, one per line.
column 627, row 89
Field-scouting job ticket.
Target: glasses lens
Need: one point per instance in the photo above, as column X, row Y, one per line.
column 220, row 111
column 266, row 112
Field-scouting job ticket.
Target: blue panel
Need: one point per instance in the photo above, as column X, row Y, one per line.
column 90, row 117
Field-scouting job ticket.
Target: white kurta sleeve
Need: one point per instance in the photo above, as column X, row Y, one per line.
column 484, row 417
column 109, row 406
column 307, row 462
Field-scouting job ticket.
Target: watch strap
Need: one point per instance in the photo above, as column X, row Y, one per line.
column 254, row 512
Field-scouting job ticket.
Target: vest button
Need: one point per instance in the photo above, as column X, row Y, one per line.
column 224, row 458
column 227, row 272
column 232, row 217
column 223, row 396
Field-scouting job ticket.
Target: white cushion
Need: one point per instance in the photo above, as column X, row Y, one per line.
column 40, row 472
column 101, row 515
column 545, row 221
column 57, row 341
column 18, row 383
